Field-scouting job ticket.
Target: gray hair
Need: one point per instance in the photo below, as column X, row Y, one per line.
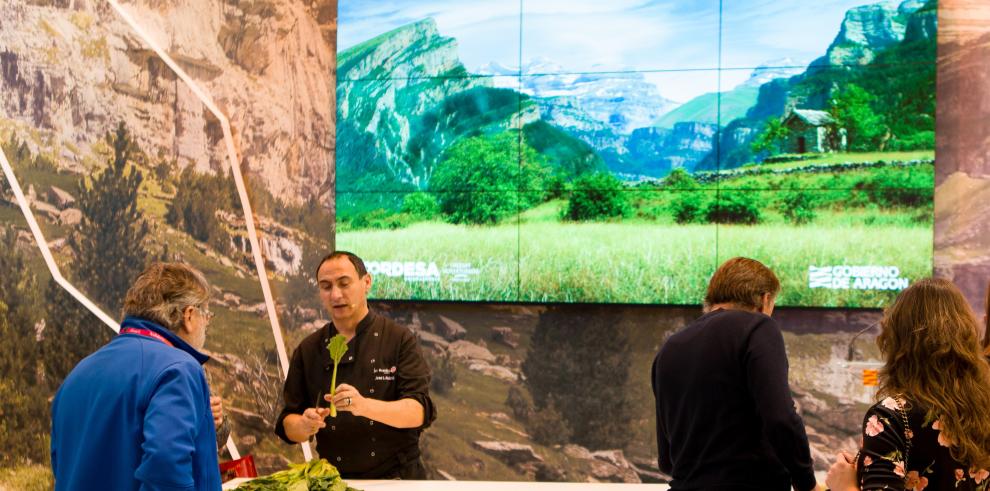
column 163, row 291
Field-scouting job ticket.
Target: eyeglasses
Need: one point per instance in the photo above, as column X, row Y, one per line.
column 205, row 312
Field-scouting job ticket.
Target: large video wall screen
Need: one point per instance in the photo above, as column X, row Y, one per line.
column 617, row 152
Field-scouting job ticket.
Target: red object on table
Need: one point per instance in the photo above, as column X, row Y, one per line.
column 243, row 467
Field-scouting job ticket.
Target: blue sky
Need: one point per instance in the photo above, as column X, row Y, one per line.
column 659, row 37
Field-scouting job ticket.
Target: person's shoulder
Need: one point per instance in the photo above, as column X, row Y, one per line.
column 157, row 354
column 390, row 326
column 744, row 316
column 893, row 413
column 744, row 321
column 175, row 366
column 891, row 409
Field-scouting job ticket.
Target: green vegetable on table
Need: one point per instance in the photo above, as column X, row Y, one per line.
column 337, row 347
column 315, row 475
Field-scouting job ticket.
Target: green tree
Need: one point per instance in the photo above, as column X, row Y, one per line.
column 798, row 207
column 71, row 333
column 547, row 426
column 111, row 249
column 771, row 140
column 567, row 156
column 688, row 202
column 484, row 179
column 734, row 207
column 380, row 219
column 577, row 365
column 23, row 310
column 598, row 196
column 851, row 107
column 194, row 208
column 687, row 206
column 420, row 206
column 898, row 186
column 24, row 423
column 680, row 179
column 520, row 403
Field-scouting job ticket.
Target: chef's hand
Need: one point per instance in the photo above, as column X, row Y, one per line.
column 216, row 405
column 312, row 420
column 347, row 398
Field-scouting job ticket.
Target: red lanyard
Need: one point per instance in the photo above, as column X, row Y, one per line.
column 146, row 333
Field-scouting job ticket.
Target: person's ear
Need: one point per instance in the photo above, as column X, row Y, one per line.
column 768, row 302
column 187, row 318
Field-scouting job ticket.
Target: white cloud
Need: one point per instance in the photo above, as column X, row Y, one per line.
column 684, row 86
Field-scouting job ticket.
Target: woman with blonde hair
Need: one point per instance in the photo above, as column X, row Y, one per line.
column 931, row 428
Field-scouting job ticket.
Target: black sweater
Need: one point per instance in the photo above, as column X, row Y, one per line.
column 725, row 417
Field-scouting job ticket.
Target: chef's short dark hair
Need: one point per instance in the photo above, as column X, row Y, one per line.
column 362, row 271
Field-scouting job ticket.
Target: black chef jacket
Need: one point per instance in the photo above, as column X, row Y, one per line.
column 383, row 361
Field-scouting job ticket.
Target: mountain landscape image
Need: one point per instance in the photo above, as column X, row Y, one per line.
column 532, row 181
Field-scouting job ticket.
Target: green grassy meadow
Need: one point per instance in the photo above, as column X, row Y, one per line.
column 642, row 262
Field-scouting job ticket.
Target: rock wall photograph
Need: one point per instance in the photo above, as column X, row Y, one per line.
column 116, row 134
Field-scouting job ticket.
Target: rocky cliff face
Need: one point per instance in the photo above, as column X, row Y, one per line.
column 923, row 23
column 662, row 151
column 413, row 50
column 622, row 101
column 396, row 116
column 868, row 29
column 76, row 72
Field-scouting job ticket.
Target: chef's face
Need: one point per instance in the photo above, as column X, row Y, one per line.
column 343, row 293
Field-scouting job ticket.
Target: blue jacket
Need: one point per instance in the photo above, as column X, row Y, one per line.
column 135, row 415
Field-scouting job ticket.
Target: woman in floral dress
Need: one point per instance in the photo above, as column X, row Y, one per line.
column 931, row 428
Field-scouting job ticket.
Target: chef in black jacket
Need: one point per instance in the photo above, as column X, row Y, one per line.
column 382, row 397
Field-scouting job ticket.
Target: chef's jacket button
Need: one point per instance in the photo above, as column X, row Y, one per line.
column 372, row 360
column 333, row 428
column 371, row 423
column 372, row 391
column 376, row 334
column 338, row 459
column 349, row 358
column 372, row 454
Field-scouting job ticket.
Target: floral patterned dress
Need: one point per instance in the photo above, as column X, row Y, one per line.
column 893, row 430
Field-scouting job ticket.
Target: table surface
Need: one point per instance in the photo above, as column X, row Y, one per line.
column 394, row 485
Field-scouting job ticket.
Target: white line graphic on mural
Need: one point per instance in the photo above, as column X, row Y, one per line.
column 241, row 192
column 46, row 252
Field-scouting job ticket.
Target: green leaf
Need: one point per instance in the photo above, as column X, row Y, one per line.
column 315, row 475
column 337, row 347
